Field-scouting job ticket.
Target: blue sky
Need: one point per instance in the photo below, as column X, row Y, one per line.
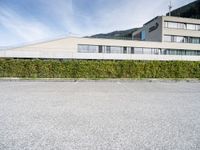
column 25, row 21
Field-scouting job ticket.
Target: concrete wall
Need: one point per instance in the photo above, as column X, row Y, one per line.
column 156, row 34
column 71, row 44
column 89, row 56
column 67, row 48
column 180, row 32
column 181, row 19
column 64, row 44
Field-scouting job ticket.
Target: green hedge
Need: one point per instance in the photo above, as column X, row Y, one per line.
column 27, row 68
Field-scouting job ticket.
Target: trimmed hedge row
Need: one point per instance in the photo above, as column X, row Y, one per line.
column 27, row 68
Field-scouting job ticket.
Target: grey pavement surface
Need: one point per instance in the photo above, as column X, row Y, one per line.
column 99, row 115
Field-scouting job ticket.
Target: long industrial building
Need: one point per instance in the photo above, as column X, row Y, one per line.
column 162, row 38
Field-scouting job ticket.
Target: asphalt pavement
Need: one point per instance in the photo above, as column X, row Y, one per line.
column 99, row 115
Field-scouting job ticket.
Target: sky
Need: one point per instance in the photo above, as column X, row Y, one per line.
column 30, row 21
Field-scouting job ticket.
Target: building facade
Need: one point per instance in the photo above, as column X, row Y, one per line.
column 170, row 29
column 162, row 38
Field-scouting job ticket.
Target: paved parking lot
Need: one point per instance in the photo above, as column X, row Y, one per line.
column 99, row 115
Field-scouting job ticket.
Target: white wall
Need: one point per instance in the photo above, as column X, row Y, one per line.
column 68, row 55
column 68, row 47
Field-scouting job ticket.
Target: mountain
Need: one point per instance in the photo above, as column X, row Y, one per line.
column 191, row 10
column 123, row 34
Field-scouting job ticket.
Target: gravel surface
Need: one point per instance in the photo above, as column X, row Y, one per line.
column 99, row 115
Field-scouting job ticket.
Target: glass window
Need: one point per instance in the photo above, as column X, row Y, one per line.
column 116, row 49
column 180, row 39
column 108, row 49
column 181, row 52
column 172, row 52
column 132, row 50
column 100, row 49
column 82, row 48
column 166, row 24
column 188, row 52
column 155, row 51
column 198, row 27
column 87, row 49
column 195, row 40
column 167, row 38
column 172, row 25
column 93, row 49
column 181, row 26
column 147, row 51
column 125, row 50
column 185, row 39
column 138, row 50
column 191, row 27
column 143, row 35
column 174, row 38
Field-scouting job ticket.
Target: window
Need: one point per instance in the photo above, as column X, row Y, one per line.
column 179, row 25
column 194, row 40
column 108, row 49
column 168, row 38
column 198, row 27
column 116, row 49
column 172, row 25
column 147, row 51
column 87, row 49
column 186, row 39
column 93, row 49
column 125, row 50
column 155, row 51
column 138, row 50
column 83, row 48
column 143, row 35
column 174, row 38
column 179, row 39
column 181, row 52
column 132, row 50
column 170, row 52
column 100, row 49
column 166, row 24
column 188, row 52
column 191, row 27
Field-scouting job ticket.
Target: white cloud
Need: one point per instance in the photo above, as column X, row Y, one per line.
column 63, row 12
column 131, row 13
column 27, row 30
column 114, row 15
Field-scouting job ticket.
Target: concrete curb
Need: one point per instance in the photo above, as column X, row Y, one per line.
column 95, row 80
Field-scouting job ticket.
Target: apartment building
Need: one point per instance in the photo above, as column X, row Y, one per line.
column 168, row 29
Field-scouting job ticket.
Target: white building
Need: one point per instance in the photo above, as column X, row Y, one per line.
column 163, row 38
column 171, row 29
